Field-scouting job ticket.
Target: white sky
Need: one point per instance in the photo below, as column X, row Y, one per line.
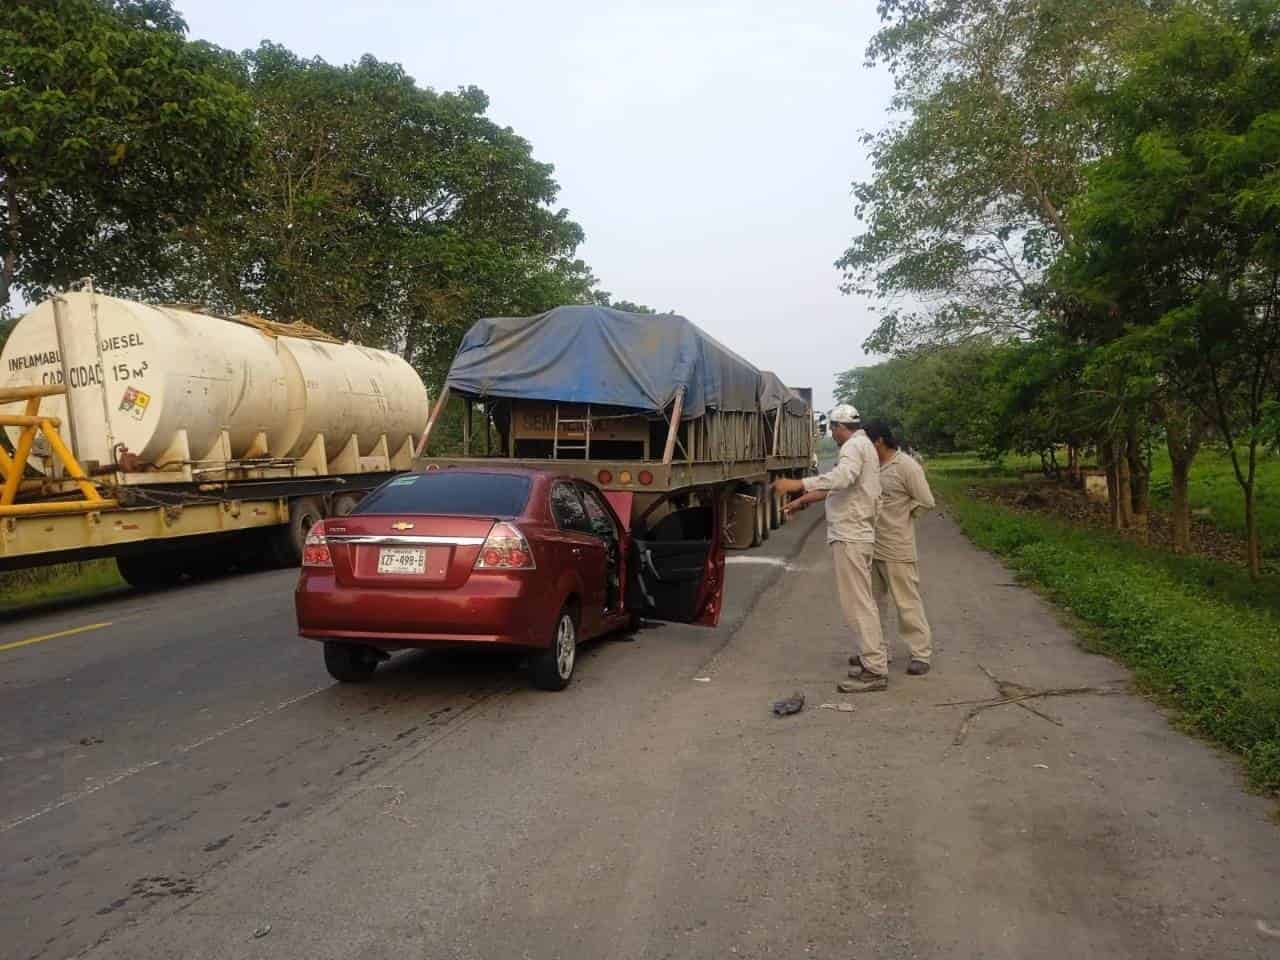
column 705, row 148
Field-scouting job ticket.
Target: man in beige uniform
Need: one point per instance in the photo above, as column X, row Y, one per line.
column 851, row 491
column 904, row 495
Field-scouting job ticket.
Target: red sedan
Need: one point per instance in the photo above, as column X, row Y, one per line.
column 505, row 559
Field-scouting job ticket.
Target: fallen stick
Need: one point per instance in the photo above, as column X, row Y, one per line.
column 1009, row 692
column 999, row 701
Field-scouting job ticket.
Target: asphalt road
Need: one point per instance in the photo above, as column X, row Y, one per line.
column 149, row 741
column 240, row 806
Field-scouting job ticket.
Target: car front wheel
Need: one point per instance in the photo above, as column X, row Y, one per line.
column 553, row 667
column 349, row 662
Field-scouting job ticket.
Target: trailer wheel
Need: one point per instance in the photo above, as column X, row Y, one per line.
column 287, row 541
column 149, row 571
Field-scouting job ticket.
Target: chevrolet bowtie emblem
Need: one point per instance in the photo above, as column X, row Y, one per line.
column 401, row 525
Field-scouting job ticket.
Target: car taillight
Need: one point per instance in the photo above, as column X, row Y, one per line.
column 505, row 549
column 315, row 550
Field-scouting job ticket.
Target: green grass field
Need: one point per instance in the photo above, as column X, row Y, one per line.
column 64, row 581
column 1199, row 635
column 1214, row 488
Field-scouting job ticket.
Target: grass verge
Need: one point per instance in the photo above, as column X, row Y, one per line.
column 1211, row 654
column 25, row 588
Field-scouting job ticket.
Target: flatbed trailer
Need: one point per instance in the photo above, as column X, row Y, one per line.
column 736, row 454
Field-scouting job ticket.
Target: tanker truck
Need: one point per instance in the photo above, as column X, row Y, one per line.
column 645, row 406
column 182, row 443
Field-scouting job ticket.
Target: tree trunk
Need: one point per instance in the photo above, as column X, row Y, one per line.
column 1183, row 438
column 1106, row 460
column 1181, row 503
column 1251, row 511
column 1124, row 486
column 1251, row 526
column 1139, row 481
column 10, row 266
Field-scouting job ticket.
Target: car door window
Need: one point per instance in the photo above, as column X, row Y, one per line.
column 601, row 523
column 567, row 508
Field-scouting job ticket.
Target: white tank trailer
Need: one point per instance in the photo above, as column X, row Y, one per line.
column 161, row 392
column 215, row 440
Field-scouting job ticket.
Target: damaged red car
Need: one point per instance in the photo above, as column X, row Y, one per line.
column 506, row 559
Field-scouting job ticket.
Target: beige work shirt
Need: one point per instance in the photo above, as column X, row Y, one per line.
column 904, row 495
column 853, row 488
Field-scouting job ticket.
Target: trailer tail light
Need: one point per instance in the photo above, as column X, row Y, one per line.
column 505, row 549
column 624, row 476
column 645, row 478
column 604, row 478
column 315, row 550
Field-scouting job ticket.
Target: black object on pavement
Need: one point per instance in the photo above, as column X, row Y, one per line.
column 792, row 704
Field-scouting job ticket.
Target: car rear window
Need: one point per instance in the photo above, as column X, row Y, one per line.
column 450, row 493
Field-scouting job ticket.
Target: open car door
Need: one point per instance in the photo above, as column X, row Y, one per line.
column 677, row 560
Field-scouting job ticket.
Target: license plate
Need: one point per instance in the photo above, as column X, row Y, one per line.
column 402, row 560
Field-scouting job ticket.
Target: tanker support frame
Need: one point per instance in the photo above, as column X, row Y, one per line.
column 158, row 534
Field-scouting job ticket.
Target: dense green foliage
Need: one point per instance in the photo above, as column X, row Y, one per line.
column 1076, row 229
column 1197, row 634
column 115, row 131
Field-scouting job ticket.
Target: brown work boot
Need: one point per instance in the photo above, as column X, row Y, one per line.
column 855, row 666
column 866, row 682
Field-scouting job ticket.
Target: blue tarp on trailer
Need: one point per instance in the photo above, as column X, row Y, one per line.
column 597, row 355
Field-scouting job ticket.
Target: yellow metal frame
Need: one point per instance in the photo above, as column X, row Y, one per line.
column 13, row 467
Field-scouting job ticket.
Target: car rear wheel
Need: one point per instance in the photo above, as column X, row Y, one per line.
column 349, row 662
column 553, row 667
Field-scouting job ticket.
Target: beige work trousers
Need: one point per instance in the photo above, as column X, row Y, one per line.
column 900, row 582
column 853, row 562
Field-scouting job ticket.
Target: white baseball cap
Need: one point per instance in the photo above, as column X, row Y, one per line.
column 845, row 413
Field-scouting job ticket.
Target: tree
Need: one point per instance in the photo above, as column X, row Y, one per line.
column 114, row 132
column 384, row 212
column 1181, row 220
column 966, row 207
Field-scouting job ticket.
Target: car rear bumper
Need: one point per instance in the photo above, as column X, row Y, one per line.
column 498, row 610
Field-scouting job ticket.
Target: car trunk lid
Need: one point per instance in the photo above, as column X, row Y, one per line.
column 432, row 552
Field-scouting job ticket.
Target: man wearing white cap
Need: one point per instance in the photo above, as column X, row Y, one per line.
column 851, row 491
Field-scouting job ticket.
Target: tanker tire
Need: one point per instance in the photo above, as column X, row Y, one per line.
column 349, row 662
column 288, row 539
column 149, row 571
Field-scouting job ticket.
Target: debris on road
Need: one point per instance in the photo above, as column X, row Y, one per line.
column 792, row 704
column 1010, row 692
column 90, row 741
column 262, row 931
column 842, row 707
column 1040, row 766
column 701, row 679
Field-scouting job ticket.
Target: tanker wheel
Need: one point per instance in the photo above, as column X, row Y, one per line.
column 153, row 571
column 288, row 540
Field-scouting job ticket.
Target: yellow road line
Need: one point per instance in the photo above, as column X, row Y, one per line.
column 53, row 636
